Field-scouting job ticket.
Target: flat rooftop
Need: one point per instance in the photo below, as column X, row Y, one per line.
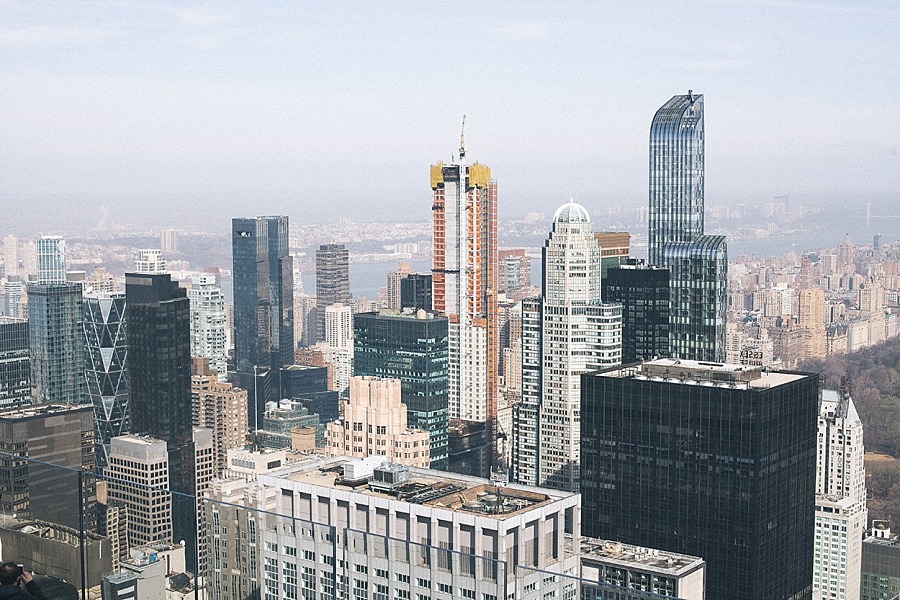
column 637, row 557
column 41, row 410
column 439, row 489
column 694, row 372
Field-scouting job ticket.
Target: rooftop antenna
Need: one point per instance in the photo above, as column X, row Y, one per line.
column 462, row 140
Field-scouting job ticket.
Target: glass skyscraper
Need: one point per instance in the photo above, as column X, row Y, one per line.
column 698, row 264
column 676, row 173
column 15, row 366
column 55, row 338
column 263, row 279
column 332, row 281
column 411, row 347
column 106, row 368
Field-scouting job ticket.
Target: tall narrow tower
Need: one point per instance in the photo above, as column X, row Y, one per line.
column 697, row 263
column 332, row 282
column 55, row 338
column 464, row 284
column 577, row 332
column 676, row 173
column 263, row 307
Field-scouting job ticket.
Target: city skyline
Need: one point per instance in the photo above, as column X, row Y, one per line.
column 171, row 107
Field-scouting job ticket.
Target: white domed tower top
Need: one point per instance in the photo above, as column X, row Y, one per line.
column 571, row 212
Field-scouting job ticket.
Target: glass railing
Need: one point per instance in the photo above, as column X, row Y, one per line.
column 87, row 535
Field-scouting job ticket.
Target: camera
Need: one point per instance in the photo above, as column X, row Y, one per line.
column 21, row 569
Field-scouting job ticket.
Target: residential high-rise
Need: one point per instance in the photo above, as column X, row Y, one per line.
column 11, row 304
column 208, row 323
column 393, row 285
column 106, row 368
column 10, row 256
column 15, row 365
column 676, row 174
column 332, row 281
column 412, row 347
column 44, row 451
column 712, row 460
column 465, row 282
column 168, row 240
column 263, row 279
column 841, row 514
column 149, row 260
column 577, row 332
column 220, row 407
column 55, row 337
column 697, row 263
column 643, row 292
column 375, row 423
column 515, row 270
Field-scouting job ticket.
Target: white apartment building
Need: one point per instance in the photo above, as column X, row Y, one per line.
column 841, row 512
column 208, row 323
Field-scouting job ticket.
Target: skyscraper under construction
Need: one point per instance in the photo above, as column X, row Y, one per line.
column 464, row 286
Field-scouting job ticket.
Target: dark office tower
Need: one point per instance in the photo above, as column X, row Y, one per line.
column 159, row 357
column 263, row 280
column 410, row 346
column 309, row 386
column 415, row 291
column 643, row 292
column 15, row 366
column 332, row 281
column 676, row 173
column 53, row 445
column 105, row 368
column 698, row 297
column 712, row 460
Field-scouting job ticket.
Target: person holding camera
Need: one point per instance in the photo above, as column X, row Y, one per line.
column 11, row 575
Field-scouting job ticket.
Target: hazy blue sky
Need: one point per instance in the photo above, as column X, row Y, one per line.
column 336, row 109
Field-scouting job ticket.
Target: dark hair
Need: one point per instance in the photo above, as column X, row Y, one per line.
column 9, row 573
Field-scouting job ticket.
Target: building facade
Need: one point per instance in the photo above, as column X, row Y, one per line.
column 465, row 282
column 220, row 407
column 411, row 347
column 643, row 292
column 45, row 451
column 415, row 291
column 710, row 460
column 375, row 423
column 106, row 368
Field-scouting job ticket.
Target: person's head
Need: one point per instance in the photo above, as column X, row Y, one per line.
column 9, row 573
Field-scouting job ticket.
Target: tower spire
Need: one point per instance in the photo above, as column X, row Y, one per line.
column 462, row 140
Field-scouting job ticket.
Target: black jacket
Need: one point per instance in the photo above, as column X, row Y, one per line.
column 14, row 592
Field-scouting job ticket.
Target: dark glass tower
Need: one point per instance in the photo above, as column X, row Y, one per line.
column 676, row 173
column 411, row 347
column 712, row 460
column 332, row 281
column 644, row 294
column 415, row 291
column 159, row 357
column 15, row 366
column 105, row 368
column 263, row 308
